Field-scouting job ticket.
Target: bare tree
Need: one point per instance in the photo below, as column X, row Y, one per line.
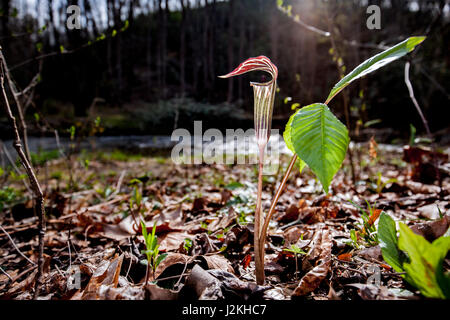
column 38, row 194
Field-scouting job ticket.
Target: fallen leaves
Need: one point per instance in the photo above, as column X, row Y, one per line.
column 107, row 274
column 321, row 250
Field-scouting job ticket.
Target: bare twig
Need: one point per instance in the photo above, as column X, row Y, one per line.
column 39, row 197
column 15, row 93
column 6, row 274
column 413, row 99
column 119, row 184
column 328, row 34
column 424, row 120
column 13, row 164
column 15, row 246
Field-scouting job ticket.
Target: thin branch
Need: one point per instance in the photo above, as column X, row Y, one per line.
column 13, row 164
column 6, row 274
column 15, row 246
column 328, row 34
column 434, row 81
column 39, row 197
column 413, row 98
column 424, row 121
column 15, row 93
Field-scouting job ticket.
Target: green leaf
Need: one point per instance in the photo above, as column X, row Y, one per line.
column 376, row 62
column 125, row 27
column 234, row 185
column 425, row 260
column 160, row 259
column 288, row 141
column 387, row 235
column 144, row 230
column 319, row 139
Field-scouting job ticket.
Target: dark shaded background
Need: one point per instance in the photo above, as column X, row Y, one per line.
column 152, row 65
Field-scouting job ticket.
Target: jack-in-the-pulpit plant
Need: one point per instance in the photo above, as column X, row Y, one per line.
column 264, row 96
column 314, row 134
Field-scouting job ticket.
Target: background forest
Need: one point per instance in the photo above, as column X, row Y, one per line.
column 149, row 66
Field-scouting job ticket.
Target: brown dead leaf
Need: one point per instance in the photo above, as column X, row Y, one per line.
column 218, row 262
column 172, row 240
column 373, row 148
column 246, row 261
column 433, row 229
column 106, row 274
column 225, row 196
column 290, row 215
column 204, row 285
column 225, row 221
column 171, row 259
column 118, row 232
column 158, row 293
column 374, row 216
column 312, row 279
column 345, row 257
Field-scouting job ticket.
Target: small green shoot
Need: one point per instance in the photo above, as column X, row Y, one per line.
column 366, row 235
column 296, row 251
column 152, row 251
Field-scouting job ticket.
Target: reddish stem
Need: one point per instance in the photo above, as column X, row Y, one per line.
column 259, row 251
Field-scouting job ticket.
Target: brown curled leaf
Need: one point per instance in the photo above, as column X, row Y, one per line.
column 314, row 277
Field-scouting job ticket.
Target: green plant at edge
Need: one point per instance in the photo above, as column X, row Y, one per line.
column 412, row 254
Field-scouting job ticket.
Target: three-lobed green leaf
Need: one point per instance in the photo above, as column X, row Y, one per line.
column 376, row 62
column 319, row 139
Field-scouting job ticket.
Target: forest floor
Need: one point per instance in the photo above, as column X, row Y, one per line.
column 204, row 222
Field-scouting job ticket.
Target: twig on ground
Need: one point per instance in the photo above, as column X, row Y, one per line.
column 119, row 184
column 6, row 273
column 15, row 246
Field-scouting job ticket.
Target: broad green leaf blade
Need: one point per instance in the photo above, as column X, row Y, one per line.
column 288, row 141
column 376, row 62
column 425, row 260
column 319, row 139
column 443, row 279
column 387, row 235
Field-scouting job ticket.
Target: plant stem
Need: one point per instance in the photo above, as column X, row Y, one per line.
column 259, row 250
column 280, row 190
column 147, row 273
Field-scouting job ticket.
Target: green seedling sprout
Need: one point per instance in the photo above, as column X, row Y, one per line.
column 152, row 251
